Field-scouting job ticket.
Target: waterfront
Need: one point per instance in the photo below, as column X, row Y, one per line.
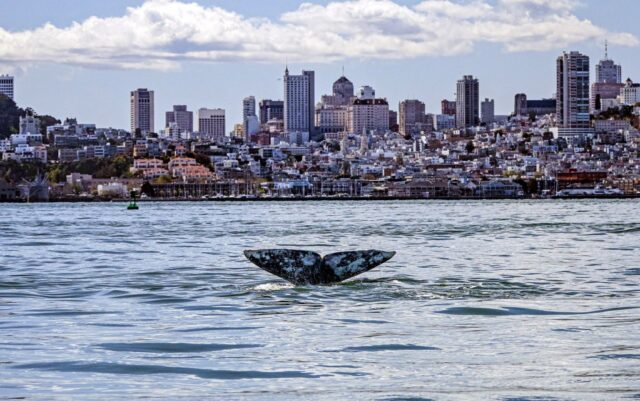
column 484, row 300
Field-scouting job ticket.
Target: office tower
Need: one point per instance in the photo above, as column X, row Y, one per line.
column 520, row 105
column 271, row 109
column 393, row 119
column 142, row 110
column 572, row 91
column 467, row 102
column 411, row 114
column 448, row 107
column 607, row 71
column 248, row 113
column 368, row 112
column 299, row 101
column 488, row 111
column 6, row 86
column 182, row 117
column 211, row 123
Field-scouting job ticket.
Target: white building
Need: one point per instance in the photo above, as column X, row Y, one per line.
column 142, row 113
column 211, row 123
column 29, row 125
column 630, row 93
column 299, row 101
column 6, row 86
column 368, row 112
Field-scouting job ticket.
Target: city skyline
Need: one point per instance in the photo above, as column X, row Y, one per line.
column 223, row 84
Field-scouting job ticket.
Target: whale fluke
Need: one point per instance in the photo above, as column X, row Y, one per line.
column 305, row 267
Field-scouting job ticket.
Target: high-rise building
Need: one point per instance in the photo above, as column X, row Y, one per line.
column 6, row 86
column 448, row 107
column 412, row 115
column 368, row 112
column 331, row 112
column 488, row 111
column 520, row 105
column 342, row 93
column 393, row 120
column 299, row 101
column 607, row 71
column 182, row 117
column 608, row 82
column 142, row 114
column 211, row 123
column 248, row 113
column 572, row 91
column 467, row 102
column 271, row 109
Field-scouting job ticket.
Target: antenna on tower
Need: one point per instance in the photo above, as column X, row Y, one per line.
column 343, row 70
column 606, row 49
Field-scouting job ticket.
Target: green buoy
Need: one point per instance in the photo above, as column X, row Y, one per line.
column 133, row 205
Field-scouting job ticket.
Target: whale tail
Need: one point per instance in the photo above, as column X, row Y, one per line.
column 306, row 267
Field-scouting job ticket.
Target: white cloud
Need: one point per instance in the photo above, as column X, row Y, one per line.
column 161, row 34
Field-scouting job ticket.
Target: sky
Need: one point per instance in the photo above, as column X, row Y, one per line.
column 81, row 58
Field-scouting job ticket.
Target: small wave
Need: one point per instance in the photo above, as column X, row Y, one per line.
column 615, row 356
column 386, row 347
column 198, row 329
column 172, row 347
column 127, row 369
column 514, row 311
column 268, row 287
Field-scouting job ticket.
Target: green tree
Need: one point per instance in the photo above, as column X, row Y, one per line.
column 9, row 116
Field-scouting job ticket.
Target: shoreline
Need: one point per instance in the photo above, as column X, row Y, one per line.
column 320, row 199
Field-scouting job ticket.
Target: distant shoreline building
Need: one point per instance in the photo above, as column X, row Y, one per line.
column 182, row 117
column 6, row 86
column 368, row 112
column 299, row 103
column 211, row 123
column 411, row 113
column 467, row 102
column 572, row 95
column 142, row 113
column 270, row 110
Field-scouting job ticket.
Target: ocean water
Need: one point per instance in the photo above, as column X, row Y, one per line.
column 491, row 300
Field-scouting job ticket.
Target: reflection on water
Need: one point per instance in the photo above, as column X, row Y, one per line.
column 484, row 300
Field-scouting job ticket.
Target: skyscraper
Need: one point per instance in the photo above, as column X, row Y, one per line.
column 608, row 82
column 467, row 102
column 6, row 86
column 299, row 101
column 182, row 117
column 520, row 105
column 607, row 71
column 572, row 90
column 211, row 123
column 248, row 114
column 448, row 107
column 488, row 111
column 270, row 109
column 411, row 113
column 142, row 110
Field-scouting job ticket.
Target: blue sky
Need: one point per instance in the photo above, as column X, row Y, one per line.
column 404, row 49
